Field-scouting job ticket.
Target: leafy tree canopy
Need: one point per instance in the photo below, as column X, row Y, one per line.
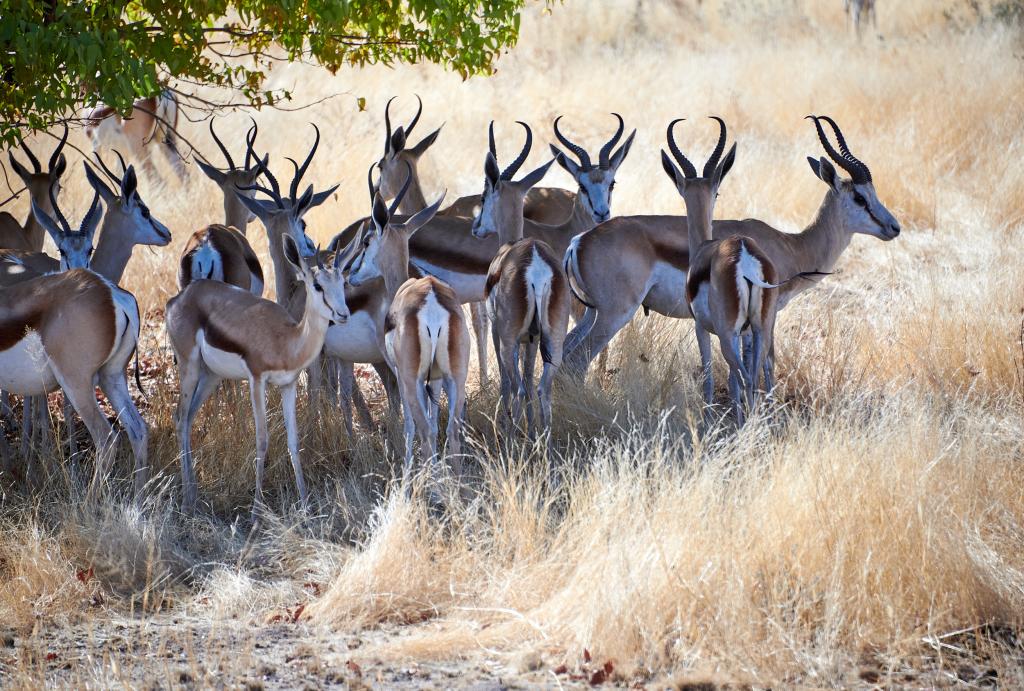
column 56, row 55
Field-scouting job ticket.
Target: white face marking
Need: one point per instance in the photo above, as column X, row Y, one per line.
column 365, row 268
column 485, row 222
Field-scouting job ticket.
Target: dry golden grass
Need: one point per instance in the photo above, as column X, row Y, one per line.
column 869, row 528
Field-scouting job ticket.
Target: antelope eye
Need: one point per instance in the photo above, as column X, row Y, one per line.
column 317, row 287
column 860, row 200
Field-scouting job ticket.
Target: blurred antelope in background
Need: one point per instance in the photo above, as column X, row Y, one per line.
column 43, row 187
column 631, row 262
column 152, row 119
column 859, row 11
column 527, row 291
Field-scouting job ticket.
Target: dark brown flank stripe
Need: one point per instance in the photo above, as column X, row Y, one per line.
column 357, row 301
column 185, row 268
column 13, row 329
column 680, row 259
column 221, row 341
column 448, row 259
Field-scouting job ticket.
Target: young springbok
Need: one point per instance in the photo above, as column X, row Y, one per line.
column 423, row 331
column 219, row 331
column 730, row 287
column 527, row 291
column 43, row 186
column 633, row 262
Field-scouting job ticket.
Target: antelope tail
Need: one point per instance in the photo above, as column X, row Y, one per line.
column 572, row 271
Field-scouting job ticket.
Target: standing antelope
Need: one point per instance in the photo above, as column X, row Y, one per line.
column 219, row 331
column 631, row 262
column 527, row 291
column 40, row 183
column 419, row 325
column 730, row 284
column 153, row 118
column 235, row 182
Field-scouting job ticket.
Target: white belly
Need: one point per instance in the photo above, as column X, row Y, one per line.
column 25, row 368
column 220, row 362
column 667, row 291
column 355, row 340
column 467, row 287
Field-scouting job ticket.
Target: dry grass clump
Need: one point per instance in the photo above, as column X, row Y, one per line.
column 866, row 528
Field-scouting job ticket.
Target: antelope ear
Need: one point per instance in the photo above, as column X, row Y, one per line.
column 491, row 171
column 18, row 168
column 320, row 197
column 725, row 165
column 619, row 156
column 397, row 141
column 672, row 170
column 129, row 183
column 533, row 178
column 570, row 165
column 422, row 217
column 47, row 223
column 97, row 184
column 424, row 144
column 258, row 207
column 291, row 252
column 211, row 172
column 824, row 171
column 380, row 213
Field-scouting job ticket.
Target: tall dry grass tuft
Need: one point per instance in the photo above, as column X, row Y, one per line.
column 872, row 516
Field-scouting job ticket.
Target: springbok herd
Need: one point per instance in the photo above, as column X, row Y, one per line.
column 389, row 288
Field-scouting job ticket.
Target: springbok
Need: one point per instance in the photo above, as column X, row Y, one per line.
column 74, row 330
column 220, row 253
column 235, row 182
column 153, row 118
column 631, row 262
column 730, row 284
column 219, row 331
column 860, row 11
column 42, row 185
column 527, row 291
column 418, row 324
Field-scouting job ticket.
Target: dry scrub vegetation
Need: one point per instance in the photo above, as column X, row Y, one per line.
column 868, row 529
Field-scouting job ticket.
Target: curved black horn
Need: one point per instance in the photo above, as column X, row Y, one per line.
column 606, row 150
column 515, row 165
column 31, row 156
column 490, row 140
column 415, row 119
column 120, row 158
column 220, row 145
column 684, row 163
column 401, row 193
column 369, row 182
column 580, row 152
column 387, row 126
column 300, row 171
column 250, row 140
column 275, row 189
column 709, row 167
column 60, row 146
column 846, row 164
column 65, row 226
column 108, row 171
column 845, row 150
column 90, row 215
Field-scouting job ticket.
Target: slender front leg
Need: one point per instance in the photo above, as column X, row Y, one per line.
column 72, row 428
column 258, row 394
column 115, row 386
column 478, row 313
column 292, row 427
column 707, row 377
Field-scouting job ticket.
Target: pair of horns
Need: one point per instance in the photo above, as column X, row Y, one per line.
column 250, row 139
column 88, row 222
column 407, row 130
column 684, row 163
column 515, row 165
column 274, row 191
column 844, row 158
column 54, row 157
column 604, row 157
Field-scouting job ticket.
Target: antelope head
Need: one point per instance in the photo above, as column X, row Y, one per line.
column 596, row 182
column 232, row 178
column 398, row 154
column 43, row 185
column 125, row 208
column 501, row 206
column 282, row 214
column 861, row 210
column 384, row 248
column 75, row 246
column 325, row 285
column 699, row 193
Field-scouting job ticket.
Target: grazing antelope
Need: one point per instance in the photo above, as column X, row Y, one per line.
column 631, row 262
column 730, row 285
column 74, row 330
column 235, row 182
column 418, row 324
column 861, row 11
column 219, row 331
column 42, row 185
column 527, row 291
column 153, row 118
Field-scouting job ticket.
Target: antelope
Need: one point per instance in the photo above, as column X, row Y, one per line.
column 152, row 118
column 730, row 283
column 527, row 291
column 858, row 9
column 423, row 331
column 219, row 331
column 74, row 330
column 40, row 183
column 631, row 262
column 235, row 182
column 220, row 253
